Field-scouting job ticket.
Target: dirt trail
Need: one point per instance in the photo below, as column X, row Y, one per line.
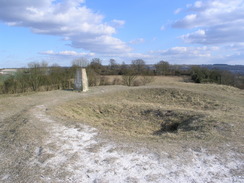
column 40, row 148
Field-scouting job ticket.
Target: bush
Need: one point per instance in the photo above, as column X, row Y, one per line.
column 204, row 75
column 10, row 85
column 104, row 80
column 129, row 79
column 137, row 82
column 93, row 77
column 147, row 79
column 117, row 81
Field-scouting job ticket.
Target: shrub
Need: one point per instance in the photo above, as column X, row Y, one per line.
column 104, row 80
column 117, row 81
column 129, row 79
column 93, row 77
column 147, row 79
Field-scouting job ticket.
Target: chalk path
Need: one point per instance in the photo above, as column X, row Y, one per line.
column 76, row 154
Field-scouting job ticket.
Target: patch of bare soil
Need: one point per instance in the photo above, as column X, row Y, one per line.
column 56, row 136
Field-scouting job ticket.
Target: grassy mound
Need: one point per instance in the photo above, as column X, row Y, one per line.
column 154, row 113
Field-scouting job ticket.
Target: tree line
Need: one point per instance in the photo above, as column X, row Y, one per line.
column 40, row 76
column 37, row 77
column 204, row 75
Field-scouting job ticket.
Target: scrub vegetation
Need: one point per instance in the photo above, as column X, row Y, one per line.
column 41, row 77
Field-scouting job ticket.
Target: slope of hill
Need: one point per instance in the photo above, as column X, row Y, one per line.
column 168, row 131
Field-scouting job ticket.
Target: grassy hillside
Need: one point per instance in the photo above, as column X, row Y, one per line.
column 167, row 109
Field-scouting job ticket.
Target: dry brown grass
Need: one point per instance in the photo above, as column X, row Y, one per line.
column 123, row 80
column 167, row 108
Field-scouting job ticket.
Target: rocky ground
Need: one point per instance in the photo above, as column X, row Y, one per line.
column 37, row 146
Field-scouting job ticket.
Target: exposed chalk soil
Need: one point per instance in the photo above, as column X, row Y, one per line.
column 38, row 147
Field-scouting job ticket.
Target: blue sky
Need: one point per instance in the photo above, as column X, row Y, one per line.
column 180, row 32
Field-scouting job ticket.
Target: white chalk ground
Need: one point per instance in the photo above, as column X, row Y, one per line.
column 76, row 154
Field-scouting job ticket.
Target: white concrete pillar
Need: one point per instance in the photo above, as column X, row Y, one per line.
column 81, row 81
column 84, row 80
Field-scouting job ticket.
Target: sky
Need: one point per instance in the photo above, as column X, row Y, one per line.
column 176, row 31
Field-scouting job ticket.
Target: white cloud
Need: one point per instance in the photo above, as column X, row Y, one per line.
column 186, row 55
column 212, row 12
column 198, row 4
column 219, row 34
column 118, row 23
column 190, row 18
column 67, row 53
column 162, row 28
column 133, row 56
column 102, row 44
column 70, row 19
column 189, row 51
column 178, row 10
column 232, row 54
column 137, row 41
column 218, row 21
column 128, row 57
column 236, row 47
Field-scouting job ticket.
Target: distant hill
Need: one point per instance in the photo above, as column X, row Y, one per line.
column 235, row 69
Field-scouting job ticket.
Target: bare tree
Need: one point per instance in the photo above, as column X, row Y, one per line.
column 80, row 62
column 35, row 74
column 113, row 66
column 129, row 79
column 162, row 68
column 96, row 65
column 139, row 66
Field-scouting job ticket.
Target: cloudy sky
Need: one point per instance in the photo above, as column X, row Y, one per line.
column 180, row 32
